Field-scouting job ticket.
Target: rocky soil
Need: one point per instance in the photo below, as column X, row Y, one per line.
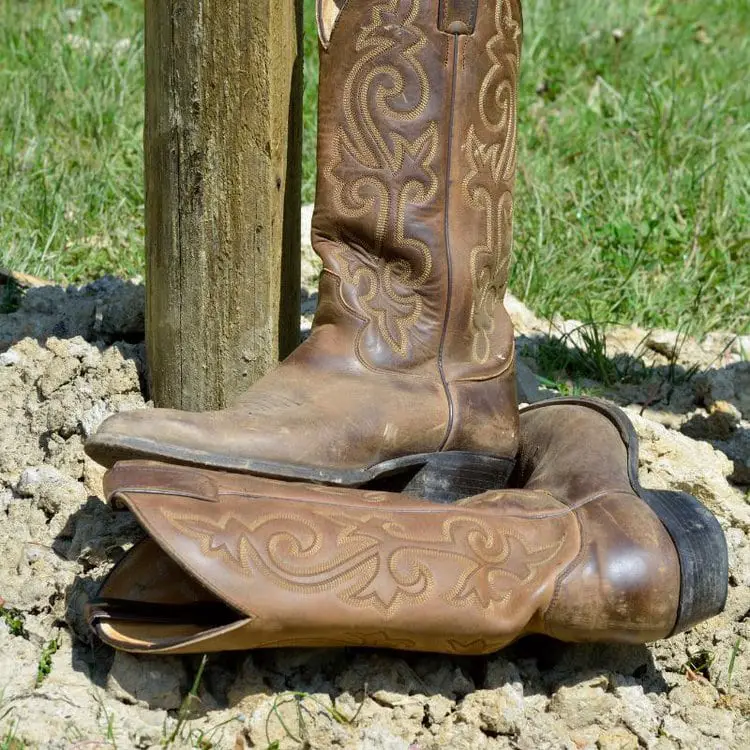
column 68, row 358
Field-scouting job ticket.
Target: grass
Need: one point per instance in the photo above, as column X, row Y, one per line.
column 736, row 649
column 45, row 660
column 71, row 193
column 298, row 699
column 9, row 740
column 633, row 191
column 699, row 664
column 186, row 707
column 14, row 620
column 182, row 733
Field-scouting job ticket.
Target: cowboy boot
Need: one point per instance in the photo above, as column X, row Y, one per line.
column 409, row 366
column 581, row 553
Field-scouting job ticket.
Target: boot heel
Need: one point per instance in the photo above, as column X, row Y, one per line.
column 702, row 551
column 454, row 475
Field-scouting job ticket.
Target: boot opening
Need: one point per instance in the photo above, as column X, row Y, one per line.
column 149, row 603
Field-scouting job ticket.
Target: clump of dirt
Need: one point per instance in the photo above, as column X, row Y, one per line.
column 69, row 358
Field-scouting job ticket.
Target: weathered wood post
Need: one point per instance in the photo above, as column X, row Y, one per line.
column 222, row 160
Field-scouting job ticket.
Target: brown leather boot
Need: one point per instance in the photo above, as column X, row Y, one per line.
column 581, row 553
column 410, row 360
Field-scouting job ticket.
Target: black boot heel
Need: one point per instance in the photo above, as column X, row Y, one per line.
column 702, row 551
column 448, row 477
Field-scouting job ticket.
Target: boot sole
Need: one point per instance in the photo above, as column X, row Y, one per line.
column 443, row 477
column 695, row 532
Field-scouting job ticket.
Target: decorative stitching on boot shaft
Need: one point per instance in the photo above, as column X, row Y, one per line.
column 373, row 560
column 379, row 173
column 488, row 184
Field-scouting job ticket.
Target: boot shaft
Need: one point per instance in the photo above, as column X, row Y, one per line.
column 416, row 155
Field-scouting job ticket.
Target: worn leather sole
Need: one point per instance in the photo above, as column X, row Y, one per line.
column 695, row 532
column 442, row 477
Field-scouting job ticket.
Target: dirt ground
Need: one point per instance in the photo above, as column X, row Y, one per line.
column 69, row 358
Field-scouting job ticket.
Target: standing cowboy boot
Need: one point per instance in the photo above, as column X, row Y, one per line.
column 582, row 553
column 409, row 366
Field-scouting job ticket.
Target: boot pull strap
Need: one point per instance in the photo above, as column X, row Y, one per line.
column 326, row 13
column 457, row 16
column 454, row 17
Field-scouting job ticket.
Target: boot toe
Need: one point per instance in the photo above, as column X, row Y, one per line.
column 142, row 433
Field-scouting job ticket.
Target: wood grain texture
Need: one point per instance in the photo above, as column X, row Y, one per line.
column 222, row 160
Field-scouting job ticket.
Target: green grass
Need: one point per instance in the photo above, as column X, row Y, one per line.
column 71, row 192
column 9, row 740
column 44, row 667
column 14, row 621
column 298, row 699
column 633, row 190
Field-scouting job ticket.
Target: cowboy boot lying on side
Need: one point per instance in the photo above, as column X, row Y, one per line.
column 578, row 551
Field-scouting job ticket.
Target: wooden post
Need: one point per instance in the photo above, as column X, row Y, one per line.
column 222, row 159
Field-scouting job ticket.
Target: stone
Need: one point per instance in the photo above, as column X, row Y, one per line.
column 525, row 322
column 93, row 417
column 585, row 704
column 495, row 712
column 378, row 738
column 51, row 489
column 9, row 358
column 712, row 722
column 58, row 372
column 148, row 681
column 694, row 693
column 437, row 708
column 618, row 738
column 638, row 712
column 19, row 658
column 722, row 421
column 675, row 728
column 459, row 735
column 670, row 460
column 666, row 343
column 730, row 384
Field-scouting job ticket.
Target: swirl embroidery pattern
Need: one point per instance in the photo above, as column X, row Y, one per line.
column 489, row 179
column 371, row 560
column 380, row 174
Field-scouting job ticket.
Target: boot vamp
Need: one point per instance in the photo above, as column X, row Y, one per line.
column 626, row 585
column 298, row 415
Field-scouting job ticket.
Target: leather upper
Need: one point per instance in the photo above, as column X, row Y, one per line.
column 411, row 349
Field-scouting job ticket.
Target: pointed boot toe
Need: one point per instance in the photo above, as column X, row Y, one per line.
column 140, row 433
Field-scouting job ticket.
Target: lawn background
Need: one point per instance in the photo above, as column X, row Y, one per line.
column 634, row 151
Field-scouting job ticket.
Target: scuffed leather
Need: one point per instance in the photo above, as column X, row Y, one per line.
column 411, row 349
column 573, row 552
